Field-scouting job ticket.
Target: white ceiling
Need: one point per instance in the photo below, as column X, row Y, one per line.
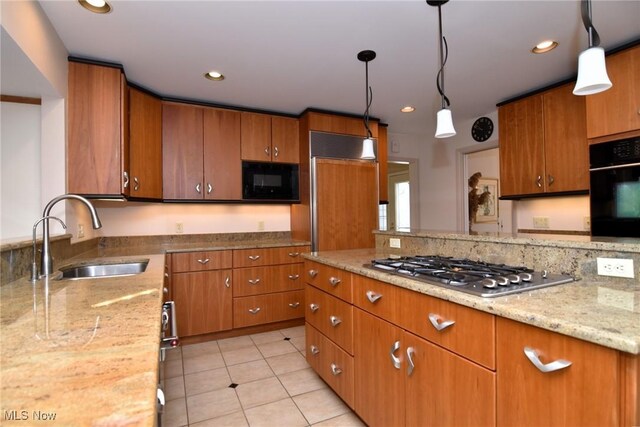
column 289, row 55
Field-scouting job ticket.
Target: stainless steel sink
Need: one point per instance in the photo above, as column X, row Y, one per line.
column 103, row 269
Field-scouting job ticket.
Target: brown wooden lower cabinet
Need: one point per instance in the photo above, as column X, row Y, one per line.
column 268, row 308
column 203, row 301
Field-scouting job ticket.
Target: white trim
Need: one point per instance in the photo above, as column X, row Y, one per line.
column 414, row 179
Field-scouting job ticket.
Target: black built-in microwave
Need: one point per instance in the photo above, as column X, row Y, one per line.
column 270, row 181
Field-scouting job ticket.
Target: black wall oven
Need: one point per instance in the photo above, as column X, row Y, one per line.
column 270, row 181
column 615, row 188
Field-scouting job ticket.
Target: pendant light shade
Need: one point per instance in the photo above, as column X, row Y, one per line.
column 592, row 69
column 592, row 72
column 444, row 128
column 368, row 152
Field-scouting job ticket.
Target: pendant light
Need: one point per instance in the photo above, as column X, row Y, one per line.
column 444, row 127
column 367, row 144
column 592, row 69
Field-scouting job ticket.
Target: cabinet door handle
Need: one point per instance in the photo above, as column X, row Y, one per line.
column 254, row 257
column 203, row 261
column 294, row 304
column 136, row 183
column 335, row 370
column 254, row 310
column 314, row 307
column 165, row 290
column 294, row 276
column 410, row 365
column 395, row 359
column 198, row 188
column 294, row 254
column 335, row 321
column 209, row 188
column 166, row 275
column 313, row 273
column 438, row 324
column 373, row 297
column 556, row 365
column 334, row 281
column 539, row 181
column 314, row 349
column 275, row 151
column 125, row 176
column 254, row 281
column 551, row 179
column 227, row 282
column 267, row 151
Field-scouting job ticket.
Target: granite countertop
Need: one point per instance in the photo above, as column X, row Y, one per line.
column 605, row 313
column 79, row 349
column 90, row 355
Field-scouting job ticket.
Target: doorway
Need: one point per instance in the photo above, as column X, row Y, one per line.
column 402, row 212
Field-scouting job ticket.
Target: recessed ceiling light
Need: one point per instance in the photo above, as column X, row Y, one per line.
column 545, row 46
column 214, row 75
column 96, row 6
column 408, row 109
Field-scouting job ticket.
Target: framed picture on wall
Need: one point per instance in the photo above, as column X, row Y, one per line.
column 488, row 211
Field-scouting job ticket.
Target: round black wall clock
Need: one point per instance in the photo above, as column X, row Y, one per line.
column 482, row 129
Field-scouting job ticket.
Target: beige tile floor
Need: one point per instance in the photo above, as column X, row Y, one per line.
column 254, row 380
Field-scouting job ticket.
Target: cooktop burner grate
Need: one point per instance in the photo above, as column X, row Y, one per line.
column 474, row 277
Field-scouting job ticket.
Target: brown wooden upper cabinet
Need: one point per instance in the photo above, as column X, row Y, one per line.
column 617, row 110
column 324, row 122
column 266, row 138
column 543, row 144
column 97, row 150
column 201, row 153
column 145, row 145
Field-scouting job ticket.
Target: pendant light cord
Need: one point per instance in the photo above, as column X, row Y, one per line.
column 444, row 55
column 369, row 95
column 594, row 37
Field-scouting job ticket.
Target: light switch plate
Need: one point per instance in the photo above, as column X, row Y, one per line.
column 394, row 243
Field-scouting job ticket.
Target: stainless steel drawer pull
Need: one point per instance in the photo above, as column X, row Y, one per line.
column 254, row 281
column 410, row 366
column 314, row 307
column 267, row 151
column 395, row 359
column 294, row 254
column 335, row 370
column 125, row 176
column 209, row 188
column 203, row 261
column 539, row 181
column 438, row 323
column 227, row 282
column 136, row 183
column 198, row 188
column 294, row 304
column 334, row 281
column 294, row 276
column 373, row 297
column 335, row 321
column 556, row 365
column 254, row 310
column 254, row 257
column 275, row 151
column 314, row 349
column 313, row 273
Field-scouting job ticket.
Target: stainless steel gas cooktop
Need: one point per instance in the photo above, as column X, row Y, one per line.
column 473, row 277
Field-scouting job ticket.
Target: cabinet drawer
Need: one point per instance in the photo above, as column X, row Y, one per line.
column 261, row 309
column 268, row 256
column 331, row 280
column 584, row 393
column 465, row 331
column 331, row 316
column 269, row 279
column 377, row 298
column 332, row 363
column 200, row 261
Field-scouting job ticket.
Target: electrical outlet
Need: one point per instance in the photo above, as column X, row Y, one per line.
column 260, row 225
column 80, row 231
column 586, row 223
column 179, row 228
column 394, row 243
column 615, row 267
column 540, row 222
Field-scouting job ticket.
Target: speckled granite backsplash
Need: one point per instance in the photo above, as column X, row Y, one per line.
column 16, row 258
column 576, row 257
